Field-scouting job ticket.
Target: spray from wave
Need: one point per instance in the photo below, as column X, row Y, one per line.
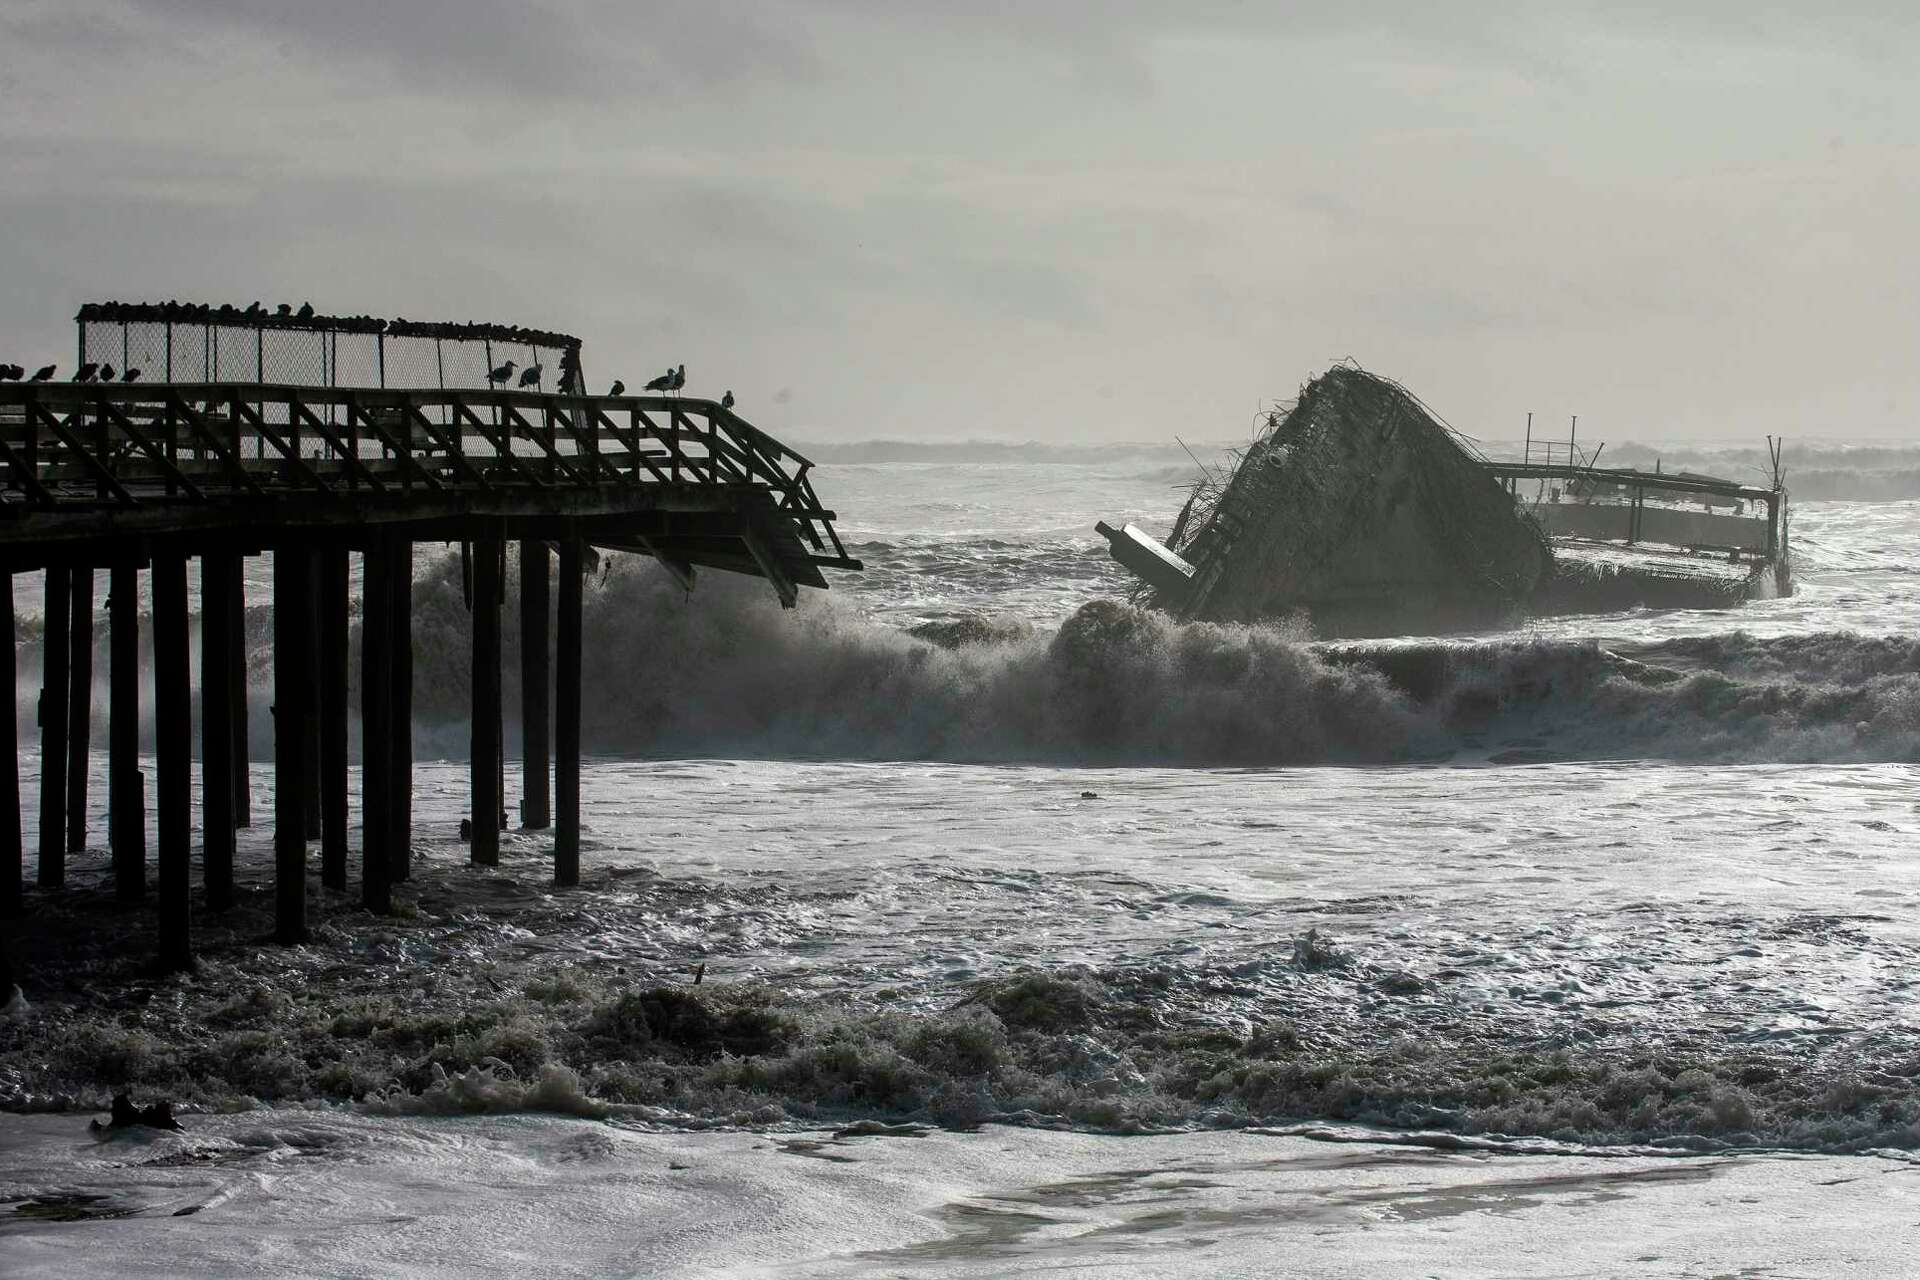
column 724, row 671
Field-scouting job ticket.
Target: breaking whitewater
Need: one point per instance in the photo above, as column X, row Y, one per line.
column 970, row 842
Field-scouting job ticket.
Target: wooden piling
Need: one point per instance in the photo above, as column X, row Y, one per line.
column 331, row 712
column 79, row 704
column 535, row 678
column 54, row 653
column 173, row 752
column 376, row 734
column 292, row 687
column 566, row 719
column 126, row 790
column 484, row 766
column 217, row 659
column 12, row 860
column 400, row 726
column 236, row 579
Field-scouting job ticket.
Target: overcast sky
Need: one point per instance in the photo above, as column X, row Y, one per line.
column 932, row 219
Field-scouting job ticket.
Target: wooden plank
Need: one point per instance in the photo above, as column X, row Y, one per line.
column 553, row 455
column 501, row 446
column 292, row 690
column 154, row 452
column 483, row 763
column 332, row 588
column 281, row 446
column 566, row 718
column 203, row 431
column 98, row 469
column 79, row 705
column 536, row 811
column 126, row 790
column 54, row 654
column 173, row 752
column 217, row 657
column 376, row 736
column 12, row 850
column 357, row 412
column 348, row 461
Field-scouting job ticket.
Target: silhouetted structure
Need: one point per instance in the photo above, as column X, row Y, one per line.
column 127, row 476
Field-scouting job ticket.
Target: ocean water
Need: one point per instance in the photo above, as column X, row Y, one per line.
column 1576, row 931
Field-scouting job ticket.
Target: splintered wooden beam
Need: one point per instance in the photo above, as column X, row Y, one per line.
column 769, row 564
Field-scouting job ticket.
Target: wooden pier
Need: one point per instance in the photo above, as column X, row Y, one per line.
column 150, row 476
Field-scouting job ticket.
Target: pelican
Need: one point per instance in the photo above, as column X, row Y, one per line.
column 131, row 375
column 530, row 376
column 106, row 373
column 618, row 388
column 85, row 372
column 43, row 374
column 502, row 374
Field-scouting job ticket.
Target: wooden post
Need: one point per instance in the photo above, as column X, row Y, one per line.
column 12, row 868
column 535, row 674
column 484, row 765
column 53, row 729
column 566, row 719
column 79, row 705
column 126, row 791
column 236, row 576
column 173, row 752
column 292, row 686
column 332, row 715
column 310, row 779
column 400, row 726
column 376, row 735
column 217, row 658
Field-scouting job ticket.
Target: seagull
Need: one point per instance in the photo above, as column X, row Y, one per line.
column 618, row 388
column 679, row 379
column 131, row 375
column 726, row 401
column 502, row 374
column 306, row 311
column 530, row 376
column 43, row 374
column 662, row 383
column 85, row 372
column 106, row 373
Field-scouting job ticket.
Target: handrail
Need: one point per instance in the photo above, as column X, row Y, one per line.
column 71, row 447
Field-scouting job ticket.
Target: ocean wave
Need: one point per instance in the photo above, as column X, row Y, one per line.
column 725, row 671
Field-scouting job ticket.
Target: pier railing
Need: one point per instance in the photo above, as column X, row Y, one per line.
column 157, row 449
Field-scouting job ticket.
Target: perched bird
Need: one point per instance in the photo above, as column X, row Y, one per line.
column 679, row 379
column 285, row 309
column 503, row 373
column 618, row 388
column 726, row 401
column 530, row 377
column 131, row 375
column 662, row 383
column 256, row 309
column 85, row 372
column 306, row 311
column 11, row 373
column 43, row 374
column 106, row 373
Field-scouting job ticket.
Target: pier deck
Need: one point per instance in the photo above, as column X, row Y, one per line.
column 132, row 476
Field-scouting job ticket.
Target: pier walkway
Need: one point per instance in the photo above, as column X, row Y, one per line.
column 123, row 477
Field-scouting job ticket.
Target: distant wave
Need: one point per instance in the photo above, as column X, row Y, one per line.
column 725, row 671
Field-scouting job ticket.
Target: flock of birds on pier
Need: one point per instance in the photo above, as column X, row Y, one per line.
column 672, row 381
column 92, row 372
